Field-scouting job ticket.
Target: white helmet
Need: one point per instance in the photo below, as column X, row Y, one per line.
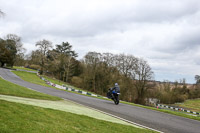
column 116, row 84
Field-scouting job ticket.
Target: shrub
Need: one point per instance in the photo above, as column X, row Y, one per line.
column 35, row 67
column 77, row 81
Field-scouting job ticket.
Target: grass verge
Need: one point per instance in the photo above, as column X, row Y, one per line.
column 8, row 88
column 192, row 104
column 31, row 77
column 23, row 68
column 64, row 105
column 182, row 114
column 17, row 117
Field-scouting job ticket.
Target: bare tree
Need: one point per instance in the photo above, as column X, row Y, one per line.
column 126, row 65
column 143, row 74
column 92, row 59
column 44, row 47
column 34, row 57
column 108, row 58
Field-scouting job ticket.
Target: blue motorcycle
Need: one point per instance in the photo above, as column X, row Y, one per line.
column 112, row 94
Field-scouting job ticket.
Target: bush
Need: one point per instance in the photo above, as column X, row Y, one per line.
column 178, row 99
column 35, row 67
column 194, row 93
column 172, row 97
column 77, row 81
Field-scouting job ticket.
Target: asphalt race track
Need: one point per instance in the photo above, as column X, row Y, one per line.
column 150, row 118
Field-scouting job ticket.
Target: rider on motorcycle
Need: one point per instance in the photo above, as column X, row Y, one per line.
column 115, row 89
column 113, row 93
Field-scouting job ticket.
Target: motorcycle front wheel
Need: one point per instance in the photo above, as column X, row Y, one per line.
column 116, row 100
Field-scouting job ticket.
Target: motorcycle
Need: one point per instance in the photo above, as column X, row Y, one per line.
column 114, row 96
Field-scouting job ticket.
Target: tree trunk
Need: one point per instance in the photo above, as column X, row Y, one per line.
column 68, row 67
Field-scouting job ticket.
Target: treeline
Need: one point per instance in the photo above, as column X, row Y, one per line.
column 96, row 72
column 177, row 92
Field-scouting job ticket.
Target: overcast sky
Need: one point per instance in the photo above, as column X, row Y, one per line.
column 166, row 33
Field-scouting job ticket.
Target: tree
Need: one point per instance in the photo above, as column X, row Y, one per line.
column 143, row 74
column 18, row 42
column 126, row 64
column 67, row 60
column 103, row 70
column 19, row 46
column 92, row 59
column 66, row 49
column 108, row 59
column 197, row 78
column 7, row 52
column 44, row 47
column 34, row 57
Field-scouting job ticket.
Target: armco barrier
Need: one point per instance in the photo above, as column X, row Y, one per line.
column 27, row 71
column 64, row 87
column 178, row 109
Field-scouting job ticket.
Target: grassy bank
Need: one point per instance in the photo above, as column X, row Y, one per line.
column 8, row 88
column 192, row 104
column 23, row 68
column 17, row 117
column 64, row 105
column 31, row 77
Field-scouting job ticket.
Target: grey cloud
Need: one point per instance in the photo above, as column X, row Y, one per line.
column 85, row 23
column 164, row 32
column 190, row 38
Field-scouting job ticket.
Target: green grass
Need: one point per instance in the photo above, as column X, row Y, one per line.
column 182, row 114
column 19, row 118
column 23, row 68
column 192, row 104
column 8, row 88
column 31, row 77
column 64, row 105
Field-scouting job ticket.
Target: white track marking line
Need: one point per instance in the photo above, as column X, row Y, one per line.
column 2, row 77
column 139, row 125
